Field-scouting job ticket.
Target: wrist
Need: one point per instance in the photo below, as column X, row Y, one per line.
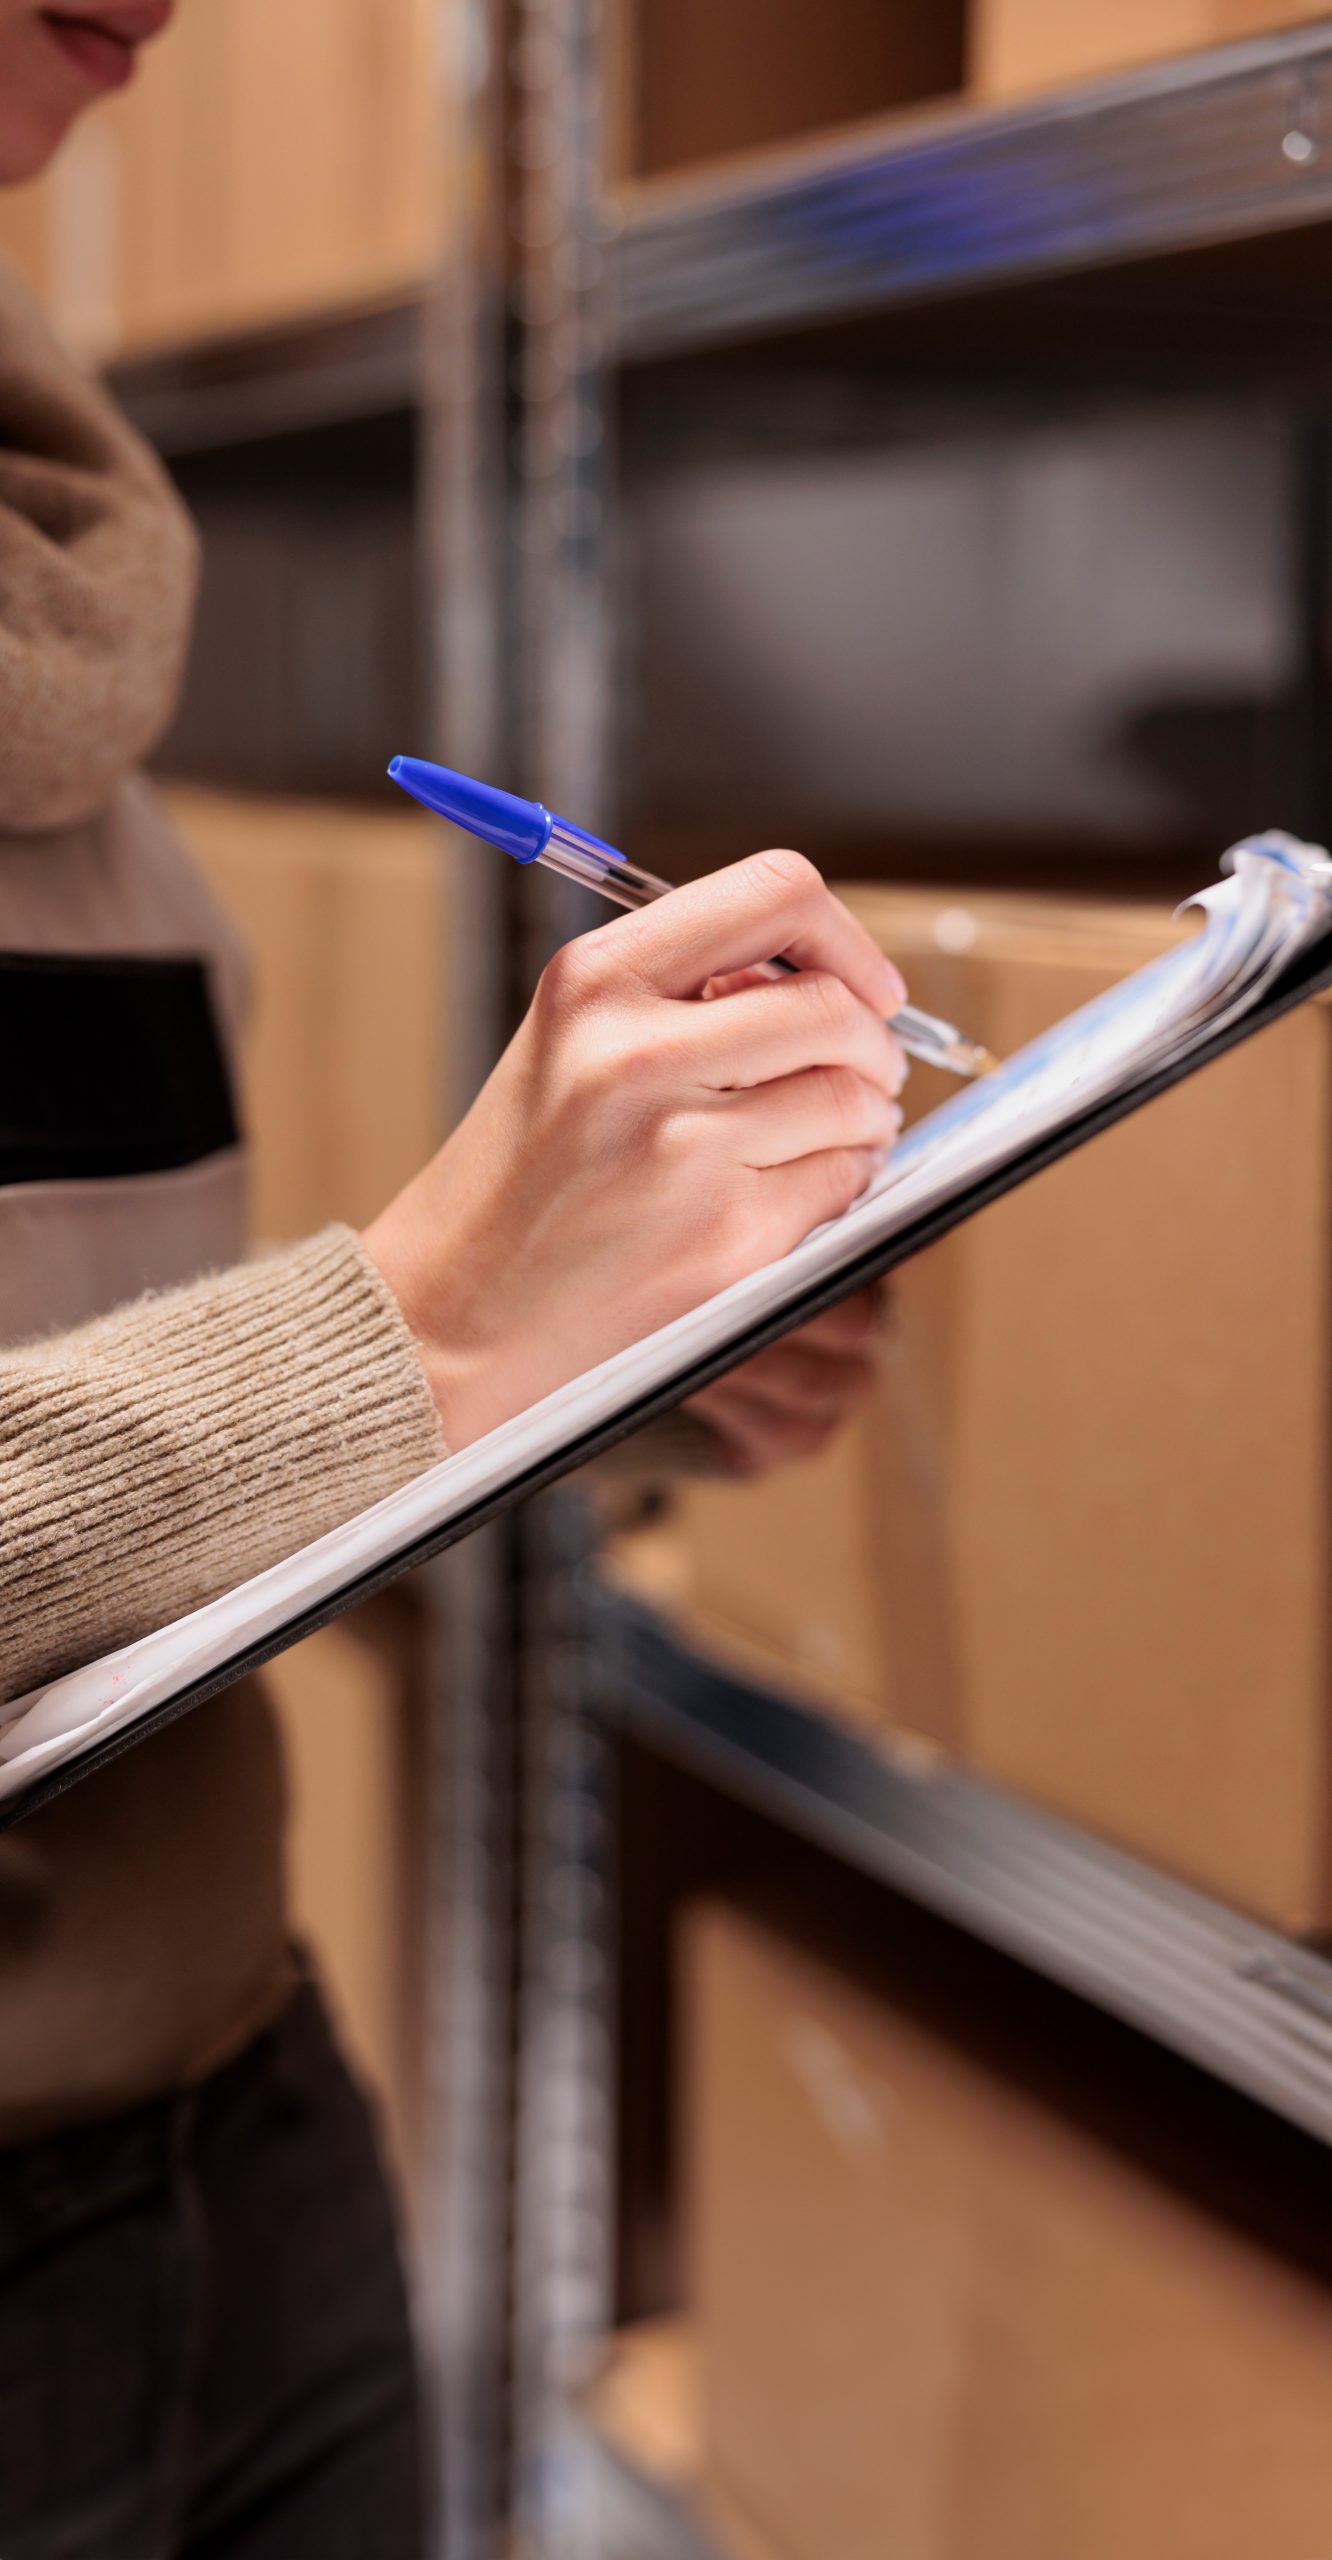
column 384, row 1242
column 456, row 1377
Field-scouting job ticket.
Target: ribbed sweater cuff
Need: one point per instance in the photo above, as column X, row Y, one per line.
column 154, row 1458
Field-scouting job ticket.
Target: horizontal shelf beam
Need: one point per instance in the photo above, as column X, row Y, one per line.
column 1250, row 2006
column 314, row 370
column 1219, row 147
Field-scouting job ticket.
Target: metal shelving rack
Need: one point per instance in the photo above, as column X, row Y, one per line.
column 439, row 352
column 1221, row 1989
column 1097, row 209
column 311, row 371
column 1214, row 148
column 1228, row 1994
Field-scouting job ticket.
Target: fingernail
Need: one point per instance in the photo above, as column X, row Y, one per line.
column 895, row 984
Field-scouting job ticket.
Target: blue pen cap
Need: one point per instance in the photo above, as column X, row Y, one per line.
column 519, row 827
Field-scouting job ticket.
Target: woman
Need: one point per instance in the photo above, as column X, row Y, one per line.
column 203, row 2342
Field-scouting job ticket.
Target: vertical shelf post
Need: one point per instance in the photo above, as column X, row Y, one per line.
column 471, row 1814
column 565, row 2200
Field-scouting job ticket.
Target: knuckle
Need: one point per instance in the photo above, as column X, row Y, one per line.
column 574, row 976
column 669, row 1057
column 848, row 1170
column 845, row 1098
column 599, row 1088
column 791, row 875
column 665, row 1135
column 735, row 1232
column 595, row 1086
column 730, row 1245
column 631, row 1067
column 783, row 1220
column 830, row 1002
column 836, row 1178
column 622, row 1107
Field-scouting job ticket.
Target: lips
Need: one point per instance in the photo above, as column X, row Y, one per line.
column 101, row 43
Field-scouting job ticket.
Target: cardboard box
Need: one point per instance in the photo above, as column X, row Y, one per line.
column 941, row 2317
column 790, row 1579
column 1133, row 1457
column 346, row 916
column 644, row 2404
column 1097, row 1467
column 1018, row 46
column 336, row 204
column 700, row 80
column 198, row 203
column 776, row 1577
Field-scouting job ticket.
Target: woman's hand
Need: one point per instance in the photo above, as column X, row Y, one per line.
column 636, row 1149
column 788, row 1401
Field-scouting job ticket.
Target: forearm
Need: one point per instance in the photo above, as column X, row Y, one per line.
column 154, row 1458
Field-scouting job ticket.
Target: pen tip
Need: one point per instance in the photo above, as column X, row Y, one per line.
column 395, row 767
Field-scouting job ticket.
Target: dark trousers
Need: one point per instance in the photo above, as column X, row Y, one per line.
column 204, row 2344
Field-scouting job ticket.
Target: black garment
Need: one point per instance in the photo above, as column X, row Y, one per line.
column 204, row 2342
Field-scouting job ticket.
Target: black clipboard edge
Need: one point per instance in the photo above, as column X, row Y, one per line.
column 1311, row 975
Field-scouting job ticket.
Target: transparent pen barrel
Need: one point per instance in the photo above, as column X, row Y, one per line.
column 598, row 866
column 595, row 865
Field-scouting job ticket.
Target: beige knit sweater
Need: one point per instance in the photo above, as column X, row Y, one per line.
column 158, row 1455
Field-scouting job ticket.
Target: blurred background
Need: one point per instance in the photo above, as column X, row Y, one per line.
column 845, row 1960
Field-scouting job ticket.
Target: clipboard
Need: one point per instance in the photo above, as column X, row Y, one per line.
column 1306, row 974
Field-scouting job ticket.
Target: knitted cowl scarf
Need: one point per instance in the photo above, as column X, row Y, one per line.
column 98, row 573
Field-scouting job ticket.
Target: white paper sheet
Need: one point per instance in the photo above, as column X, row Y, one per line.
column 1275, row 903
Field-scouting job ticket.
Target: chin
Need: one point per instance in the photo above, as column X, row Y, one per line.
column 29, row 138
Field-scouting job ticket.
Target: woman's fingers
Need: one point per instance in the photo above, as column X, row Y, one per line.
column 731, row 982
column 787, row 1401
column 804, row 1115
column 762, row 1425
column 755, row 1437
column 635, row 1150
column 851, row 1325
column 793, row 1199
column 772, row 905
column 797, row 1375
column 775, row 1029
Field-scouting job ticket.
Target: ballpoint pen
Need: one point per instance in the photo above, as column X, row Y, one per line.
column 532, row 833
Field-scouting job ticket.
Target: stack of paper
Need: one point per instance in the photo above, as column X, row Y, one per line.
column 1255, row 926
